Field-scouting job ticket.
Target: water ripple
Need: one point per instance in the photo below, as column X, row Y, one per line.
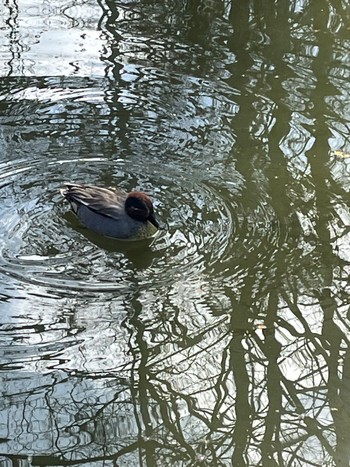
column 207, row 229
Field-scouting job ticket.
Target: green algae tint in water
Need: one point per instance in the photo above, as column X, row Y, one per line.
column 224, row 340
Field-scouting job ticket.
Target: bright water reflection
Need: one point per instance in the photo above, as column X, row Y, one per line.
column 225, row 340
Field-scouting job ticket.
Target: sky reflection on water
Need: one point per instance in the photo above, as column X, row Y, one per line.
column 225, row 340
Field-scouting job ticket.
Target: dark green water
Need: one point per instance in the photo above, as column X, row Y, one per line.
column 224, row 342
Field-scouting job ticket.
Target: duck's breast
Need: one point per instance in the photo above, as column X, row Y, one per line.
column 122, row 227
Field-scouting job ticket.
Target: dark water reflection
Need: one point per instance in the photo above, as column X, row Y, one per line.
column 224, row 341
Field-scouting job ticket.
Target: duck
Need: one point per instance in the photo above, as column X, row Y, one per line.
column 112, row 212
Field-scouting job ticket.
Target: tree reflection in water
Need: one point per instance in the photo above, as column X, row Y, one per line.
column 228, row 344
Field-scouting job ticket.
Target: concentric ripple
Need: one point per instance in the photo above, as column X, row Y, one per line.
column 207, row 231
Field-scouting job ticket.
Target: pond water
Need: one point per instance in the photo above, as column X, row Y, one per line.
column 225, row 340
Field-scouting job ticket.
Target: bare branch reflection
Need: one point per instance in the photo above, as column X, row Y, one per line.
column 225, row 342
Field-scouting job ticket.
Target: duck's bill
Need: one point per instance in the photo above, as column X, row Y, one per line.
column 154, row 221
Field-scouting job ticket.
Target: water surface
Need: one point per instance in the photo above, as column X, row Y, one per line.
column 225, row 340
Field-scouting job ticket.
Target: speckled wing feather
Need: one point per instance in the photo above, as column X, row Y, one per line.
column 107, row 202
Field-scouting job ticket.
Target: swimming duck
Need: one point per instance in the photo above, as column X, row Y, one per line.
column 112, row 211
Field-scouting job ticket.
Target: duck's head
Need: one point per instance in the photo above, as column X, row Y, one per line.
column 139, row 206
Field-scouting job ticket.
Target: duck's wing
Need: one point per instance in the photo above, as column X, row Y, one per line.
column 107, row 202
